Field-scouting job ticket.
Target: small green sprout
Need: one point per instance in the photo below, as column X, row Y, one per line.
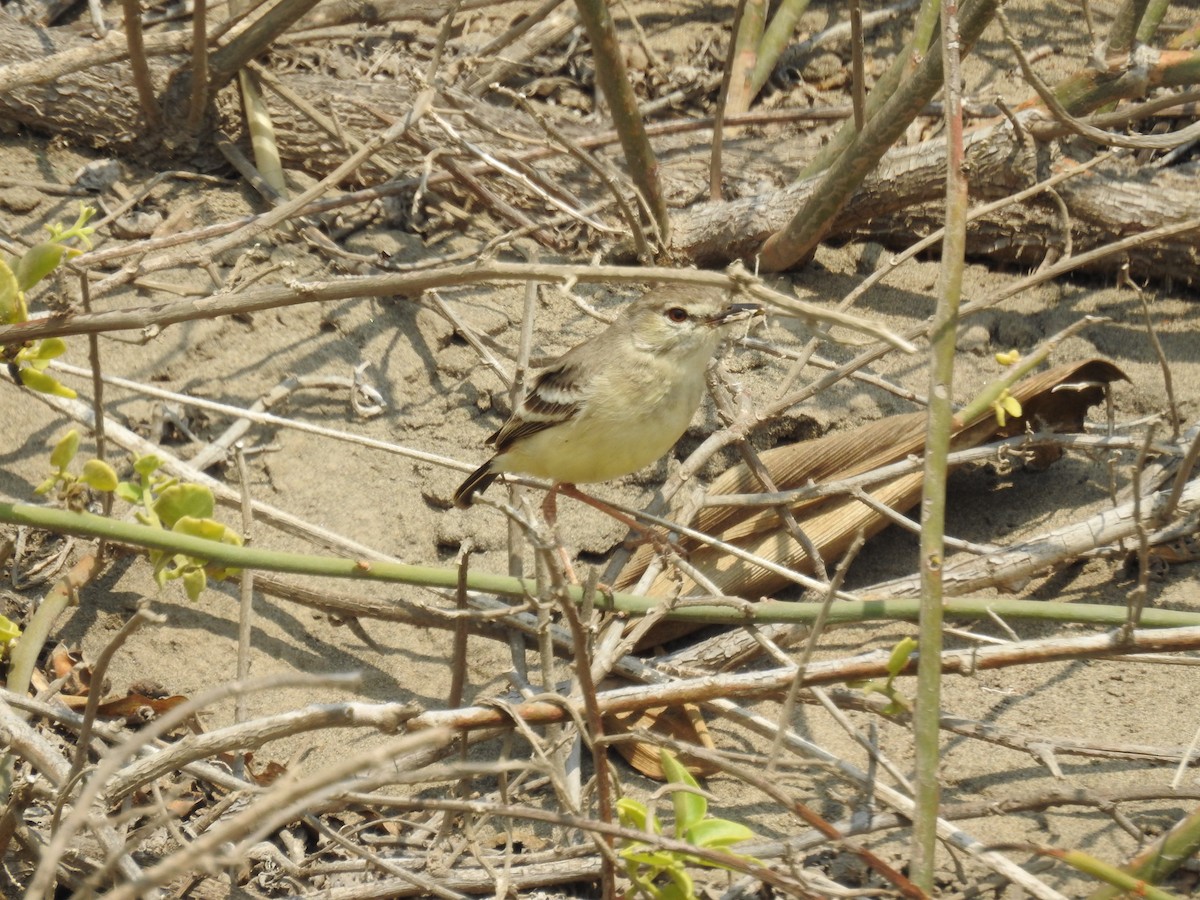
column 32, row 361
column 163, row 502
column 663, row 874
column 78, row 231
column 897, row 702
column 28, row 362
column 9, row 632
column 1004, row 406
column 73, row 489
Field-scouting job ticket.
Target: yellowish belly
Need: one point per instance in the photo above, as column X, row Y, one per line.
column 600, row 444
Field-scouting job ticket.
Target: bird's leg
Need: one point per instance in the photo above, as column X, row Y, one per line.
column 550, row 505
column 550, row 514
column 644, row 533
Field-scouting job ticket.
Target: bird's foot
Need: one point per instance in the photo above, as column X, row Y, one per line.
column 550, row 515
column 640, row 533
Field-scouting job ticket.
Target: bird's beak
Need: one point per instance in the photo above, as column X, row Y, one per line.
column 737, row 312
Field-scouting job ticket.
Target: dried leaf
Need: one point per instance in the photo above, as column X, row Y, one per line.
column 135, row 707
column 684, row 723
column 62, row 663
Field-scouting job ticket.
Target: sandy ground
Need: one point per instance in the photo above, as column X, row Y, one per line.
column 441, row 400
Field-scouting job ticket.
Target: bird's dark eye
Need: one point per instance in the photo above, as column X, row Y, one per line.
column 677, row 314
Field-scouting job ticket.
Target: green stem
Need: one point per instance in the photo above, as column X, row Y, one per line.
column 131, row 534
column 744, row 58
column 254, row 41
column 1151, row 20
column 885, row 86
column 775, row 40
column 33, row 639
column 1186, row 39
column 1126, row 885
column 1091, row 89
column 992, row 392
column 1156, row 862
column 799, row 238
column 1125, row 25
column 927, row 712
column 627, row 120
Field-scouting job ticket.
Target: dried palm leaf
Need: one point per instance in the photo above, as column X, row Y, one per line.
column 1055, row 400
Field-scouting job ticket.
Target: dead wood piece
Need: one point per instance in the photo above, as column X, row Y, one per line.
column 1110, row 202
column 1118, row 197
column 98, row 106
column 372, row 12
column 541, row 37
column 769, row 683
column 475, row 880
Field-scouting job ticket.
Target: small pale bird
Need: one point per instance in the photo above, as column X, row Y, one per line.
column 618, row 401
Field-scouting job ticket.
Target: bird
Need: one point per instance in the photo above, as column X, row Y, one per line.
column 618, row 401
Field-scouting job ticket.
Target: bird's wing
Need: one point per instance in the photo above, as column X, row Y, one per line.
column 555, row 397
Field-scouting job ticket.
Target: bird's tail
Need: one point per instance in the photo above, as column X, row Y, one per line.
column 477, row 482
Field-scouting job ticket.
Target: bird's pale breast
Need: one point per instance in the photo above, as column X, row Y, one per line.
column 638, row 422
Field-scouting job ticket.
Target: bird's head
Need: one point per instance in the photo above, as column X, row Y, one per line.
column 682, row 319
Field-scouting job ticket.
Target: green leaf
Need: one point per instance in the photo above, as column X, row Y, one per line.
column 45, row 384
column 209, row 529
column 86, row 212
column 64, row 451
column 715, row 834
column 194, row 582
column 59, row 233
column 145, row 465
column 9, row 632
column 643, row 882
column 46, row 486
column 12, row 301
column 690, row 807
column 634, row 814
column 129, row 492
column 900, row 654
column 681, row 886
column 99, row 475
column 181, row 500
column 38, row 262
column 645, row 856
column 161, row 573
column 50, row 348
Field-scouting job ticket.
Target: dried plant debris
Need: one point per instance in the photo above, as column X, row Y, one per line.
column 1054, row 401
